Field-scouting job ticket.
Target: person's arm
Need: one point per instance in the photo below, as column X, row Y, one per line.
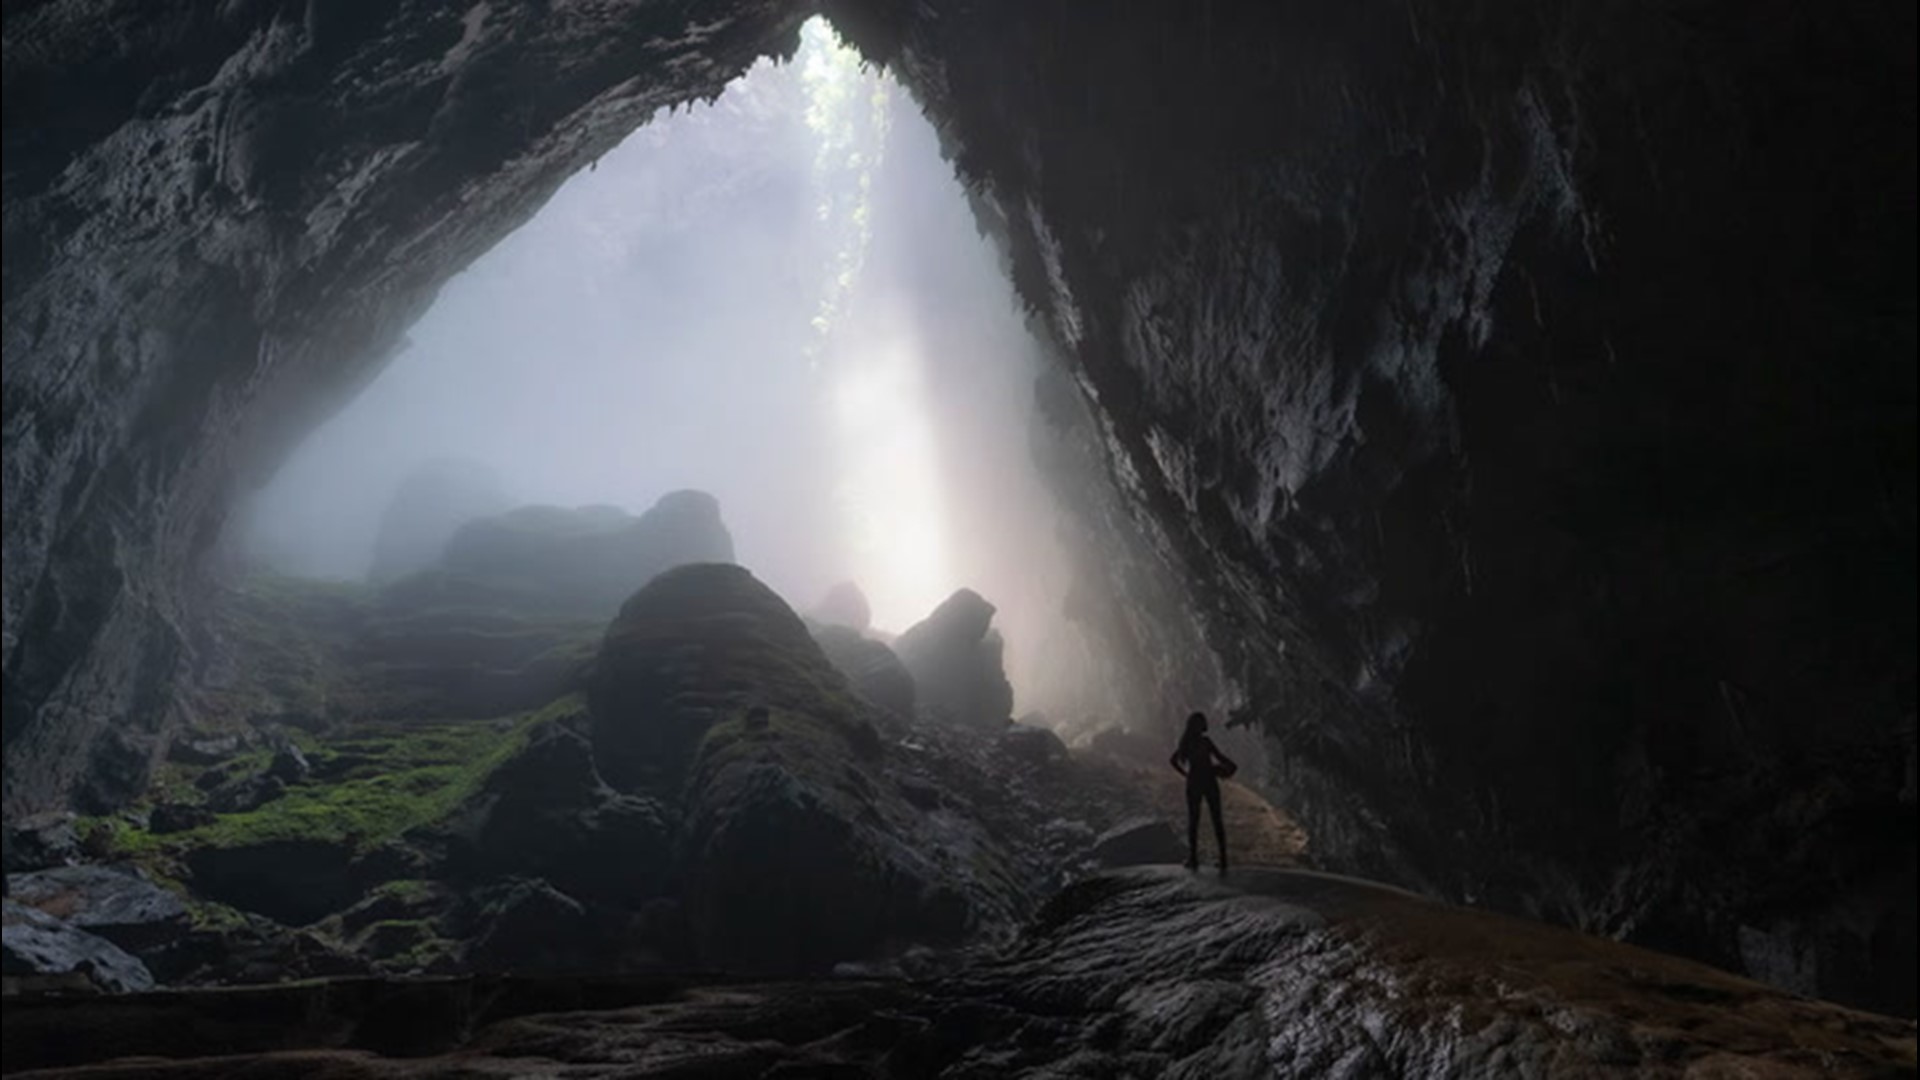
column 1224, row 759
column 1178, row 761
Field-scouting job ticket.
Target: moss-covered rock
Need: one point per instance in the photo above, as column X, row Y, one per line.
column 795, row 852
column 546, row 813
column 700, row 644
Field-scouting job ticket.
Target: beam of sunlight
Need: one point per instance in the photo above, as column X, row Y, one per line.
column 888, row 485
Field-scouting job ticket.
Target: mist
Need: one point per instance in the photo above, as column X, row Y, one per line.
column 781, row 298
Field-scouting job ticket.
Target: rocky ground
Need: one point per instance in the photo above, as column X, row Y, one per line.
column 459, row 824
column 1150, row 972
column 469, row 768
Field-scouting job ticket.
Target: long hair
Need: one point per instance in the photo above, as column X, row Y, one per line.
column 1196, row 730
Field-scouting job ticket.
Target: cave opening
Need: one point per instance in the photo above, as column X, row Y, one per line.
column 779, row 297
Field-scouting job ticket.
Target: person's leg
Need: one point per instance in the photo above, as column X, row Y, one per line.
column 1219, row 826
column 1193, row 827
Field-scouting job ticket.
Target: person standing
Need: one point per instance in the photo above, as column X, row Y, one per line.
column 1204, row 766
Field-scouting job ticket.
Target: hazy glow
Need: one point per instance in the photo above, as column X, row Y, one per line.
column 780, row 298
column 887, row 489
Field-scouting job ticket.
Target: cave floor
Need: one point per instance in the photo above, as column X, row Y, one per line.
column 1151, row 971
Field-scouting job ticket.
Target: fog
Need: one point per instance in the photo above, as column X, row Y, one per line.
column 780, row 298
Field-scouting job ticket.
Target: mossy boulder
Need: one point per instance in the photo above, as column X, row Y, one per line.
column 795, row 851
column 700, row 644
column 547, row 813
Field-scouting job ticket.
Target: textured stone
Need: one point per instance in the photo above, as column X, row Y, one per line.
column 117, row 903
column 1139, row 842
column 1139, row 973
column 36, row 945
column 954, row 655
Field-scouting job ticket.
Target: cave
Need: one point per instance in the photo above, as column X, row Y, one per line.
column 1501, row 417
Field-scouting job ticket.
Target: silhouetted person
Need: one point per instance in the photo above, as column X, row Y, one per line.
column 1202, row 763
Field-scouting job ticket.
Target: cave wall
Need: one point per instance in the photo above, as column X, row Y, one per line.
column 219, row 221
column 1523, row 393
column 1526, row 393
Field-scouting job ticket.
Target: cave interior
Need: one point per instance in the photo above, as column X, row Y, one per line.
column 1500, row 418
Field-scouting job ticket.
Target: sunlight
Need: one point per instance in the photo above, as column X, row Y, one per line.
column 887, row 489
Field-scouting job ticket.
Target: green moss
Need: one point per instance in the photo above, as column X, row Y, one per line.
column 395, row 778
column 406, row 890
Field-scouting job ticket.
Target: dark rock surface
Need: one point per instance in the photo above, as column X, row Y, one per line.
column 1480, row 383
column 698, row 645
column 532, row 926
column 1278, row 974
column 37, row 841
column 1139, row 842
column 547, row 814
column 38, row 950
column 874, row 670
column 429, row 506
column 954, row 655
column 117, row 903
column 1523, row 396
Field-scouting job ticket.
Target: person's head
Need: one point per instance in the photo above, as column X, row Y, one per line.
column 1196, row 726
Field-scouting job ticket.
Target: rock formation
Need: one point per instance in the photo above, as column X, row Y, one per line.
column 954, row 655
column 585, row 560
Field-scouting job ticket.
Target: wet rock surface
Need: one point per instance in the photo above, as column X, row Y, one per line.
column 1144, row 972
column 39, row 951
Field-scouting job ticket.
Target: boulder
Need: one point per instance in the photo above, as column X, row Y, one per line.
column 529, row 926
column 173, row 817
column 189, row 749
column 795, row 851
column 289, row 765
column 40, row 840
column 118, row 903
column 701, row 644
column 873, row 669
column 794, row 865
column 1130, row 747
column 1033, row 745
column 41, row 950
column 546, row 813
column 245, row 793
column 846, row 606
column 954, row 655
column 1139, row 842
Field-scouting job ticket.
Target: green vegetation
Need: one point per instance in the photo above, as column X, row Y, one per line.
column 378, row 783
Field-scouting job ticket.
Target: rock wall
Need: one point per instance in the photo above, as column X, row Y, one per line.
column 1525, row 394
column 1522, row 392
column 219, row 219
